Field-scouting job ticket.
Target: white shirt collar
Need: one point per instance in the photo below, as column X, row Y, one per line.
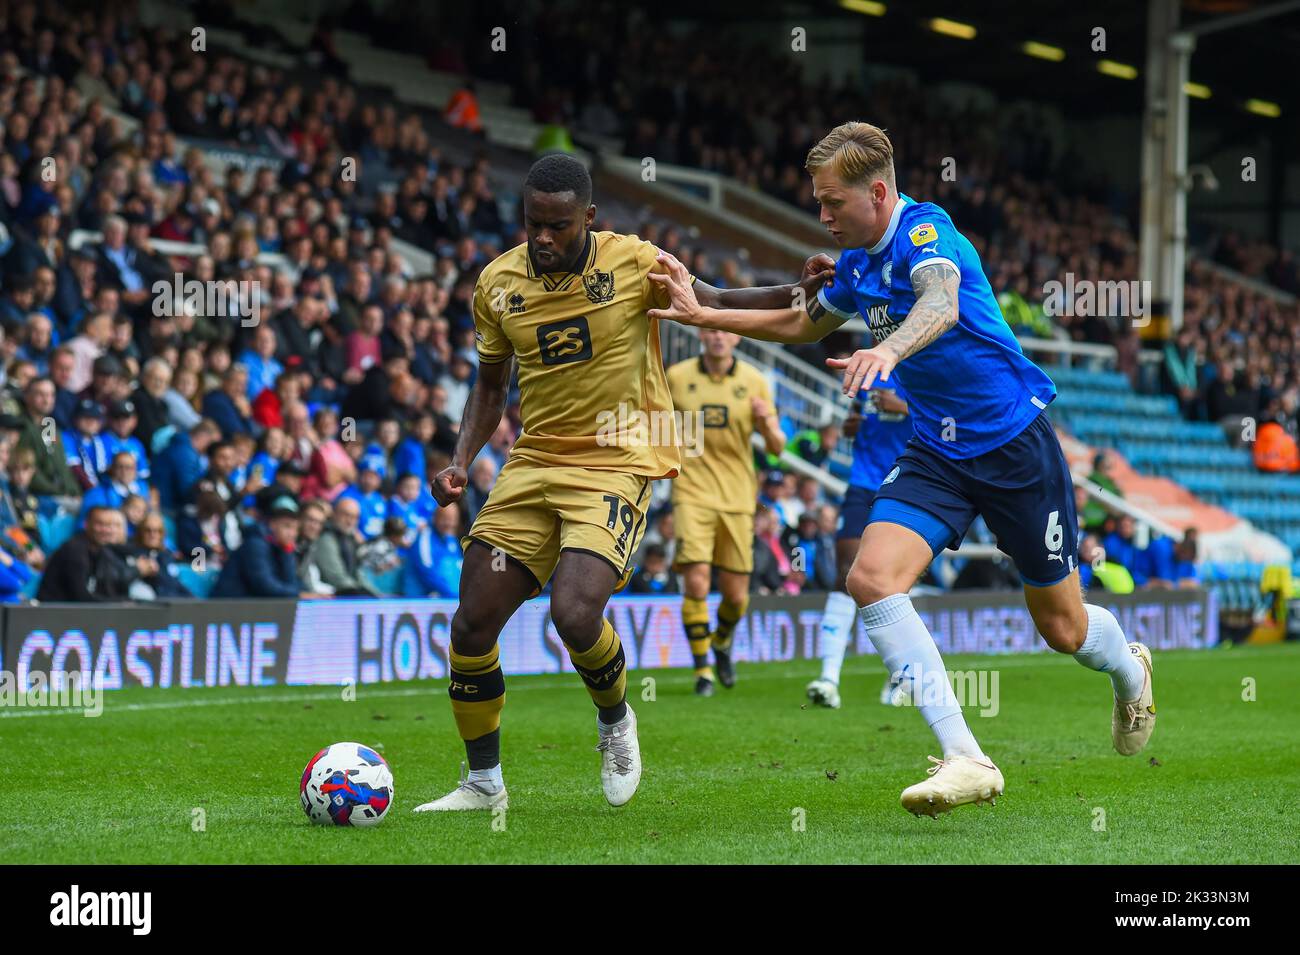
column 890, row 229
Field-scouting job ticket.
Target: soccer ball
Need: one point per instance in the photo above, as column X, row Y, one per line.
column 347, row 784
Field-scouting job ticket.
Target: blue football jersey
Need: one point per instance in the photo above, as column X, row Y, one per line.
column 881, row 437
column 970, row 390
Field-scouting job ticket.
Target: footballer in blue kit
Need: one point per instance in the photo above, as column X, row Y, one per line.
column 982, row 446
column 880, row 429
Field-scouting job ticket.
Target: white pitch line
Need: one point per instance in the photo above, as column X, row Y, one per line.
column 369, row 690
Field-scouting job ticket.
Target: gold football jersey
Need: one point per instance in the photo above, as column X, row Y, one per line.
column 592, row 388
column 722, row 476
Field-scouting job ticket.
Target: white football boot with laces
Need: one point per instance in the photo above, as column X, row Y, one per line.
column 953, row 782
column 620, row 759
column 467, row 795
column 1132, row 721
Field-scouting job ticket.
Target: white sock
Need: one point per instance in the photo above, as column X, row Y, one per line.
column 1106, row 649
column 489, row 779
column 909, row 653
column 837, row 626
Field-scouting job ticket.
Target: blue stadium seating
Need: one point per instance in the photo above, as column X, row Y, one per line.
column 1102, row 409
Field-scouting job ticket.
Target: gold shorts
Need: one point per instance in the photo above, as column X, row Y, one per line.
column 724, row 539
column 533, row 512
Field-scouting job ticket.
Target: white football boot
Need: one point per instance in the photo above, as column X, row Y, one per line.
column 467, row 795
column 620, row 759
column 824, row 693
column 1132, row 721
column 953, row 782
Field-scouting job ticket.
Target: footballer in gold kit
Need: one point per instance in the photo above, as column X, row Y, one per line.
column 715, row 494
column 569, row 308
column 573, row 310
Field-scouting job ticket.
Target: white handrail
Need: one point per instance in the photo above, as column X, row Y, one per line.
column 1118, row 505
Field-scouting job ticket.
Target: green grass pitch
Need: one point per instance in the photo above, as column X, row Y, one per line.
column 725, row 778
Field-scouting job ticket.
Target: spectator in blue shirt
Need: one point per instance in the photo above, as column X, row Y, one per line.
column 14, row 576
column 229, row 406
column 120, row 436
column 1185, row 558
column 88, row 450
column 265, row 565
column 374, row 506
column 1121, row 549
column 654, row 576
column 431, row 565
column 119, row 484
column 409, row 504
column 180, row 465
column 260, row 360
column 409, row 457
column 38, row 342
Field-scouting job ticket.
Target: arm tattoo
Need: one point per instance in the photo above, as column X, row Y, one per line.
column 934, row 312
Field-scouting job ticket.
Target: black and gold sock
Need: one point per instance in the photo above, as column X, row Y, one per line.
column 478, row 693
column 729, row 614
column 695, row 621
column 604, row 669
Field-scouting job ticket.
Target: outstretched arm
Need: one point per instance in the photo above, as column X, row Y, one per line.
column 817, row 270
column 933, row 313
column 800, row 318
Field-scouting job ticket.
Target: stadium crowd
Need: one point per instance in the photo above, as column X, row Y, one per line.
column 1013, row 190
column 279, row 444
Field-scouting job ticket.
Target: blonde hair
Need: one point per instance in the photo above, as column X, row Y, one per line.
column 857, row 152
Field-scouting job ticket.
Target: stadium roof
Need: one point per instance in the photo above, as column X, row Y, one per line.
column 1253, row 61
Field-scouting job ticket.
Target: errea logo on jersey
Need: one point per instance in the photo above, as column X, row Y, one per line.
column 923, row 234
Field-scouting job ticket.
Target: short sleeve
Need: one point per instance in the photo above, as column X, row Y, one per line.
column 656, row 296
column 489, row 338
column 837, row 297
column 928, row 239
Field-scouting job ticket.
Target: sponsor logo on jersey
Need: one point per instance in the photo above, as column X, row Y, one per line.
column 889, row 478
column 599, row 286
column 715, row 416
column 880, row 322
column 923, row 234
column 515, row 303
column 562, row 342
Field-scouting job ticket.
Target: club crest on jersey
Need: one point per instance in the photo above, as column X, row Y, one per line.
column 923, row 234
column 599, row 286
column 887, row 274
column 889, row 478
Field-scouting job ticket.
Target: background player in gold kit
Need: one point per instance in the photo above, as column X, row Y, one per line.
column 713, row 497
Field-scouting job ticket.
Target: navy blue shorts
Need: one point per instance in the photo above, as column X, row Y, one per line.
column 855, row 512
column 1023, row 490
